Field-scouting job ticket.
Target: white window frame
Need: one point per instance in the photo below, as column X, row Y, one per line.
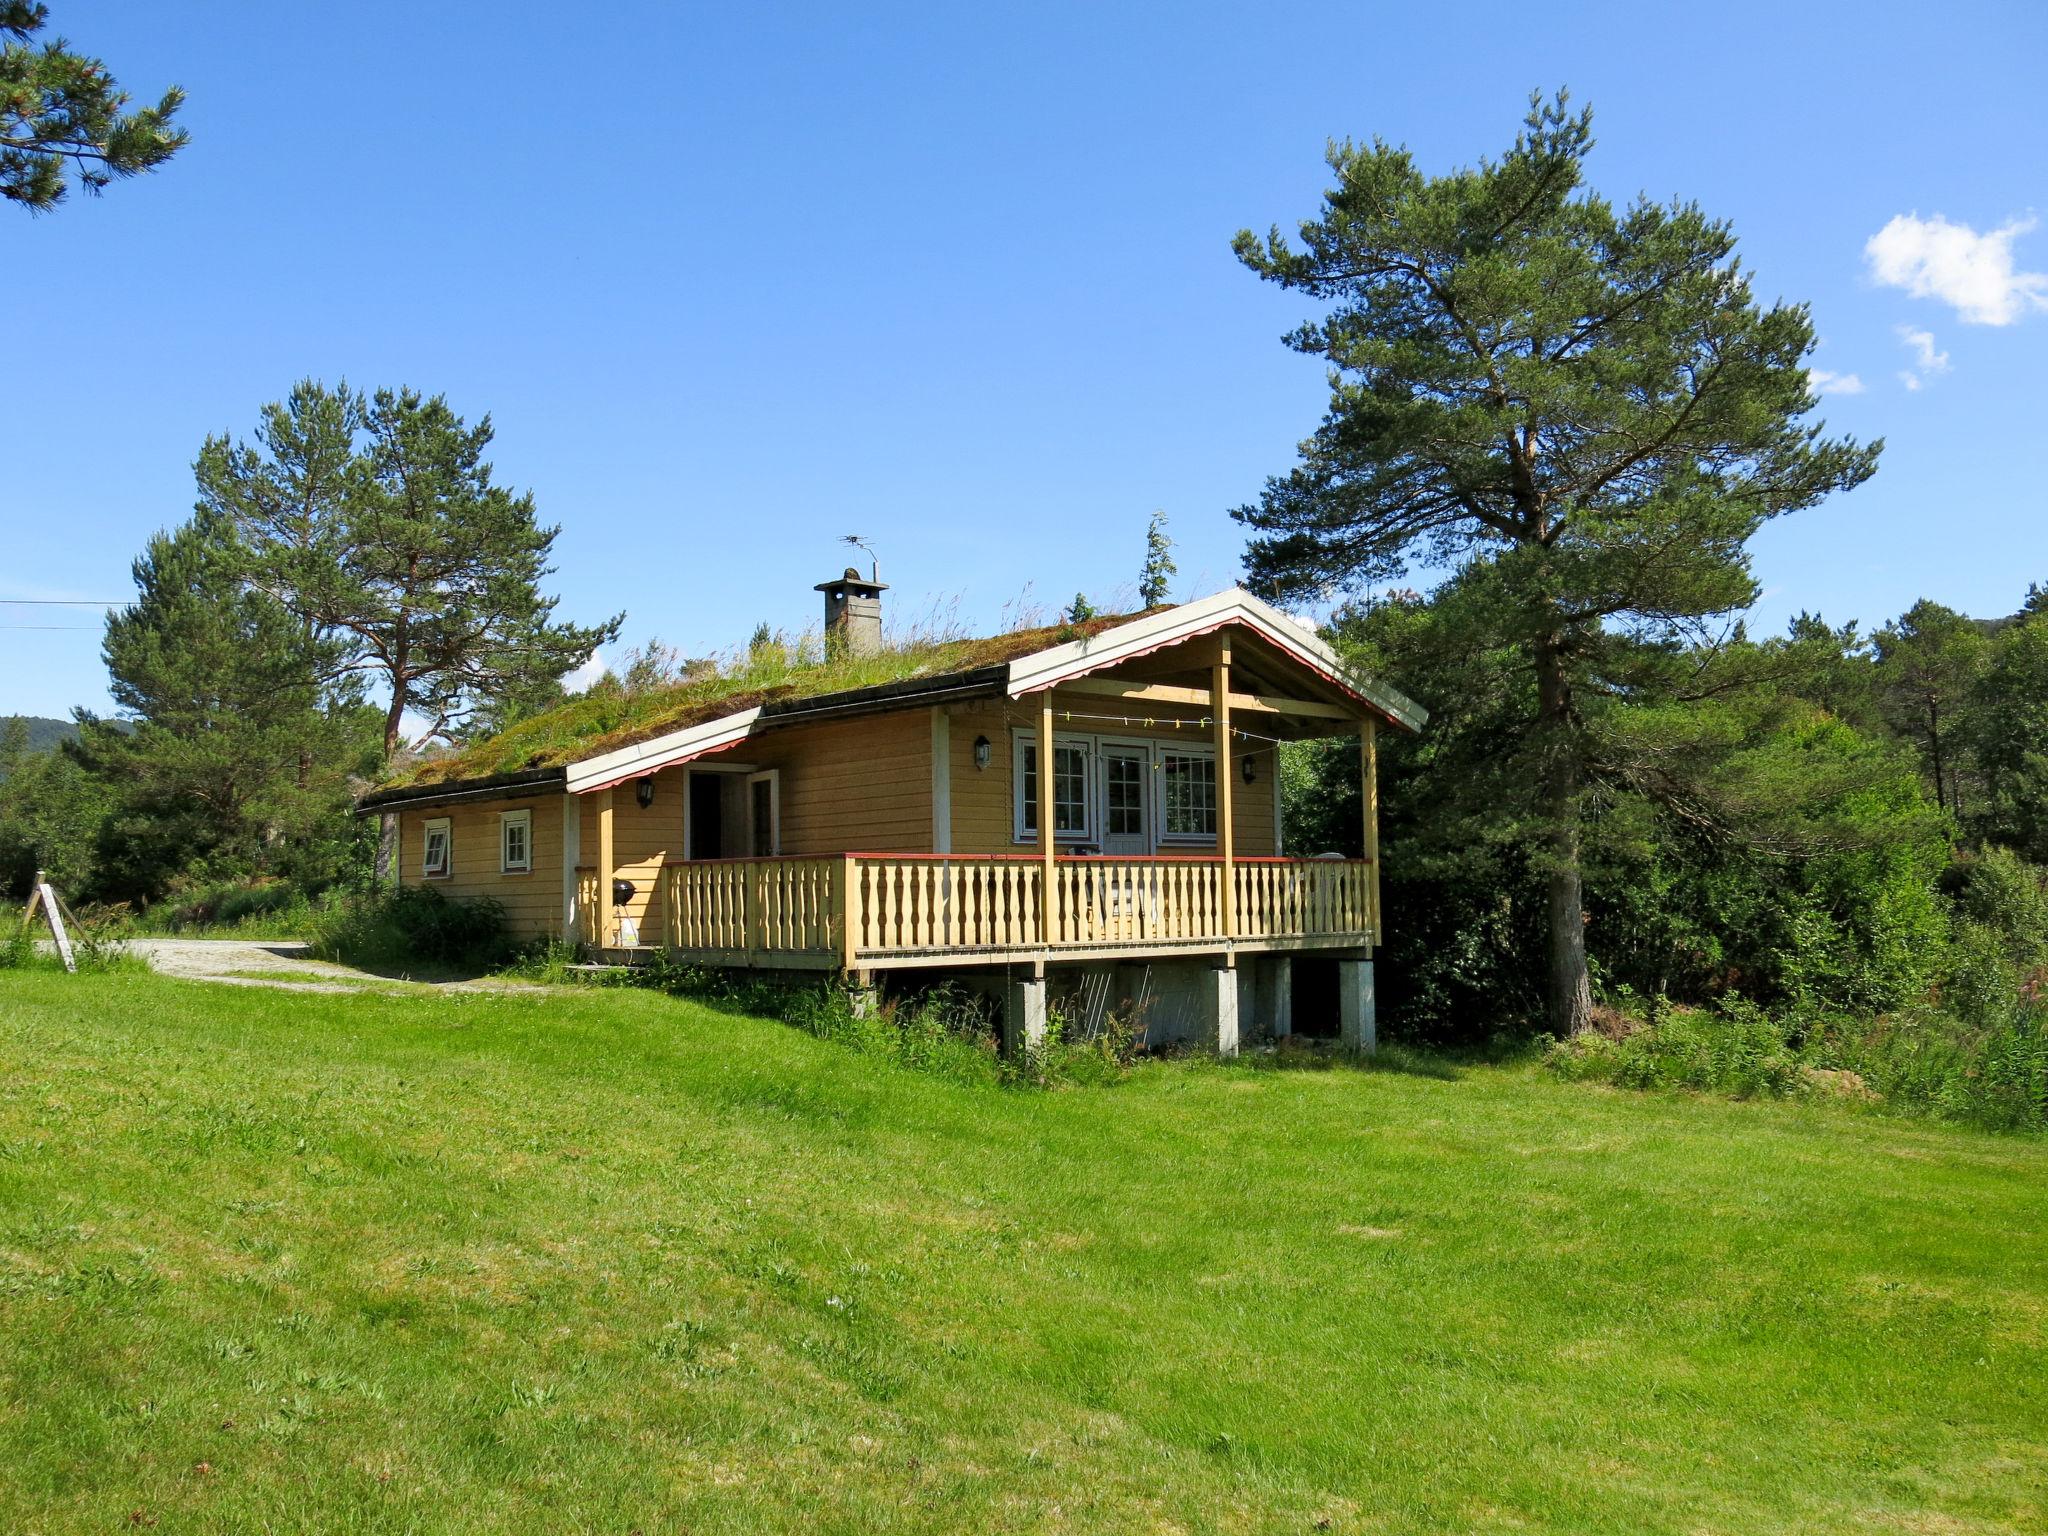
column 1160, row 752
column 523, row 820
column 773, row 778
column 1023, row 749
column 1139, row 746
column 428, row 828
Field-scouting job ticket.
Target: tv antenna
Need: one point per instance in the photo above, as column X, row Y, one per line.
column 874, row 561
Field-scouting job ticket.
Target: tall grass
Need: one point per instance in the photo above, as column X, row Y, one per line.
column 662, row 691
column 1989, row 1071
column 945, row 1031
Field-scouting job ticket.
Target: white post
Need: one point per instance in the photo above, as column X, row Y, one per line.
column 1279, row 1004
column 572, row 855
column 1357, row 1018
column 1023, row 1016
column 1219, row 1005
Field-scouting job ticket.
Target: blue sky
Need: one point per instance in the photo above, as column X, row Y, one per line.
column 735, row 280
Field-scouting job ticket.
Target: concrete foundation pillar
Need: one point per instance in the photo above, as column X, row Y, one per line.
column 1219, row 1006
column 1357, row 1020
column 862, row 996
column 1023, row 1016
column 1276, row 1004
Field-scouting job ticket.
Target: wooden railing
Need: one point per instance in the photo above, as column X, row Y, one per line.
column 753, row 905
column 851, row 908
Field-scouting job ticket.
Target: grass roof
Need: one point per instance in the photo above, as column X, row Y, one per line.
column 611, row 715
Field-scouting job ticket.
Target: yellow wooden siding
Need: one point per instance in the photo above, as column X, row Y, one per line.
column 983, row 799
column 533, row 901
column 852, row 786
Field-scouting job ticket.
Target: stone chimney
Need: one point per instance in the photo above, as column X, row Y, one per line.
column 853, row 614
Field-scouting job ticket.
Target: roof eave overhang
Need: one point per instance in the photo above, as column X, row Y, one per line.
column 532, row 781
column 1155, row 632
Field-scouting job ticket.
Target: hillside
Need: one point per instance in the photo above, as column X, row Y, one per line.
column 609, row 1262
column 44, row 734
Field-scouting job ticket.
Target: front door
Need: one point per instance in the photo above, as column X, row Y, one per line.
column 707, row 816
column 1126, row 800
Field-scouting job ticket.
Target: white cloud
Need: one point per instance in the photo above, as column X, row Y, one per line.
column 1934, row 259
column 1826, row 382
column 1927, row 361
column 1922, row 344
column 591, row 670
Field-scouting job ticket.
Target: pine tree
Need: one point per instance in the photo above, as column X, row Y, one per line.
column 226, row 751
column 60, row 109
column 1928, row 663
column 2009, row 735
column 1589, row 403
column 1080, row 610
column 378, row 522
column 1158, row 571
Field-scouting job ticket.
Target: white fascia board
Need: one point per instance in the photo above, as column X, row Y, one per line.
column 646, row 757
column 1059, row 663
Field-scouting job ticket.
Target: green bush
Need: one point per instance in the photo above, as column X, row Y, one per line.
column 1734, row 1049
column 1990, row 1070
column 1999, row 891
column 412, row 924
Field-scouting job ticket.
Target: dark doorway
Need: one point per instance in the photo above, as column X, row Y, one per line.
column 707, row 816
column 1315, row 998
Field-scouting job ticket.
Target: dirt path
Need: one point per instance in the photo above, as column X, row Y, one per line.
column 280, row 963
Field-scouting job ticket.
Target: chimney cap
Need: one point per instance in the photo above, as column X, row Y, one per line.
column 853, row 582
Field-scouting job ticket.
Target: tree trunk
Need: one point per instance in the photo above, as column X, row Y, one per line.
column 1571, row 989
column 1934, row 751
column 394, row 723
column 386, row 869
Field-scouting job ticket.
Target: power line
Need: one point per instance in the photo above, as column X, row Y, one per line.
column 56, row 602
column 81, row 629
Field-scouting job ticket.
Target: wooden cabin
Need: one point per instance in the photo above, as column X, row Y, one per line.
column 896, row 830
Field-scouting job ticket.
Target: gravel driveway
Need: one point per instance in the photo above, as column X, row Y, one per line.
column 283, row 962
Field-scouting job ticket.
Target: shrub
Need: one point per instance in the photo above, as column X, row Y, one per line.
column 412, row 923
column 1734, row 1049
column 1999, row 891
column 1990, row 1070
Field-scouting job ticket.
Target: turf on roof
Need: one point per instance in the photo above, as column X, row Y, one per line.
column 609, row 717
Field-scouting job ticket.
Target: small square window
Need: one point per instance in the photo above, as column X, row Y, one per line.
column 515, row 842
column 437, row 850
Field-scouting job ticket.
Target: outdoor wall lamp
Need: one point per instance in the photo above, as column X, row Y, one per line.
column 644, row 792
column 1251, row 774
column 981, row 752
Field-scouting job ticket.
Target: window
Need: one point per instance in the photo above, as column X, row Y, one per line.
column 515, row 842
column 1123, row 786
column 1188, row 801
column 1070, row 798
column 437, row 851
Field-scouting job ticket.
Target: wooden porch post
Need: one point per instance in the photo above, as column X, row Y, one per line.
column 1369, row 784
column 1048, row 838
column 606, row 936
column 1226, row 833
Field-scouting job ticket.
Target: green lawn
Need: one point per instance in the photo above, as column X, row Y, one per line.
column 610, row 1262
